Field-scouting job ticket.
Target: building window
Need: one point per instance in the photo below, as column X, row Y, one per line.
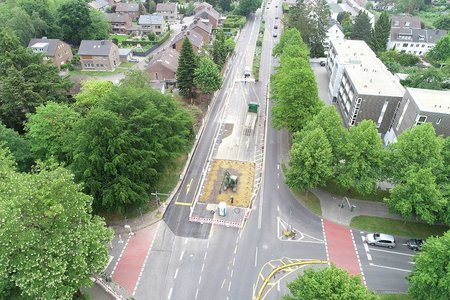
column 438, row 121
column 420, row 119
column 405, row 45
column 383, row 110
column 423, row 45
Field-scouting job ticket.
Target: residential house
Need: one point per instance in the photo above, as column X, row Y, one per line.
column 131, row 9
column 366, row 90
column 334, row 32
column 120, row 23
column 152, row 23
column 98, row 55
column 202, row 5
column 414, row 41
column 335, row 9
column 55, row 51
column 101, row 5
column 168, row 10
column 383, row 5
column 406, row 22
column 164, row 66
column 209, row 13
column 195, row 39
column 202, row 28
column 417, row 107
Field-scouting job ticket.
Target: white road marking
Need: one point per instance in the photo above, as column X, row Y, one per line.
column 205, row 255
column 278, row 285
column 223, row 283
column 369, row 257
column 203, row 266
column 196, row 294
column 229, row 286
column 393, row 252
column 278, row 208
column 234, row 260
column 278, row 166
column 278, row 187
column 366, row 247
column 390, row 268
column 170, row 293
column 181, row 256
column 231, row 274
column 256, row 256
column 200, row 279
column 176, row 273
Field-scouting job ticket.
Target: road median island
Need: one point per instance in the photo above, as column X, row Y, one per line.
column 213, row 190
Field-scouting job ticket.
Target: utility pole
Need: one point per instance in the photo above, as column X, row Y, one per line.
column 157, row 198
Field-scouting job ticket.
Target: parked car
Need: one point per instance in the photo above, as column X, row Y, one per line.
column 380, row 239
column 322, row 63
column 133, row 59
column 275, row 34
column 414, row 244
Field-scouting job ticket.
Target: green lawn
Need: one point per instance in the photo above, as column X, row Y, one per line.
column 397, row 227
column 428, row 18
column 119, row 37
column 122, row 68
column 310, row 201
column 332, row 188
column 394, row 297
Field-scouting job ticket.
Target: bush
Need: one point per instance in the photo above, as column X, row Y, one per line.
column 165, row 37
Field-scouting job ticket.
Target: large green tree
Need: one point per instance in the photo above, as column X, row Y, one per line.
column 311, row 161
column 291, row 38
column 91, row 93
column 328, row 284
column 50, row 131
column 443, row 181
column 294, row 93
column 245, row 7
column 207, row 75
column 380, row 33
column 430, row 278
column 440, row 53
column 187, row 63
column 312, row 22
column 100, row 27
column 331, row 122
column 443, row 22
column 219, row 49
column 418, row 195
column 75, row 20
column 125, row 142
column 51, row 242
column 417, row 148
column 26, row 82
column 19, row 147
column 361, row 165
column 361, row 28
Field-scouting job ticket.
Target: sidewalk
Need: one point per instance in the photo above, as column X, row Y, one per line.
column 332, row 212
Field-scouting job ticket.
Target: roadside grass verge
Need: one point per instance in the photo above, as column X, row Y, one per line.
column 397, row 227
column 309, row 200
column 334, row 189
column 394, row 297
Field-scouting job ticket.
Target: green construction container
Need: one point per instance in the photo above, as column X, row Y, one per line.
column 253, row 107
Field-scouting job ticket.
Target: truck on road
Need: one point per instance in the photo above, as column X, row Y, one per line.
column 251, row 118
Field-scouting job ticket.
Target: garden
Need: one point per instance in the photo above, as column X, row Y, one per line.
column 139, row 43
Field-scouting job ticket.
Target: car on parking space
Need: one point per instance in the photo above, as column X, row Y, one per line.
column 380, row 239
column 133, row 59
column 275, row 34
column 322, row 63
column 414, row 244
column 276, row 17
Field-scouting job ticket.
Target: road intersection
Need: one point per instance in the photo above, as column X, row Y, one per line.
column 178, row 259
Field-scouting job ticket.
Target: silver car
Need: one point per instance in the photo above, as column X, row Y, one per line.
column 380, row 239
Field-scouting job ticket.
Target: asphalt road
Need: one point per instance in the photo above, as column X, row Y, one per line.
column 194, row 261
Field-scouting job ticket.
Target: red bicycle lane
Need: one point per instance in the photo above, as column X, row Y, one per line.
column 129, row 266
column 341, row 248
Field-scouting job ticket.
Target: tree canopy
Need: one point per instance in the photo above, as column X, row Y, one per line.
column 443, row 22
column 19, row 146
column 245, row 7
column 187, row 63
column 311, row 161
column 440, row 53
column 380, row 33
column 361, row 29
column 430, row 278
column 328, row 284
column 124, row 143
column 207, row 76
column 51, row 242
column 27, row 82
